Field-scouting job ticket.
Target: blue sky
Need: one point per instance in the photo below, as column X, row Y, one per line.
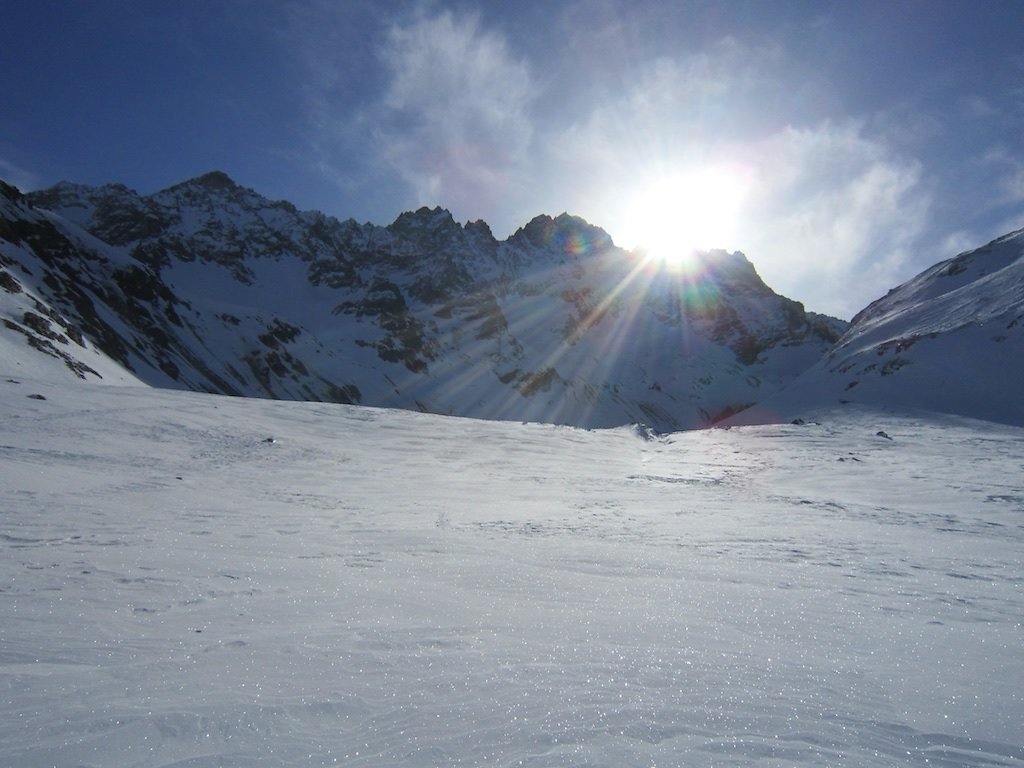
column 842, row 146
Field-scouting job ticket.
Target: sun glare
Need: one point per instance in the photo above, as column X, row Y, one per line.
column 671, row 217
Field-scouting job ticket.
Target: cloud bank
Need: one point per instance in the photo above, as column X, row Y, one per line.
column 456, row 121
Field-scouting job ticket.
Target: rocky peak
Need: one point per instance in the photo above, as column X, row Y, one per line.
column 425, row 222
column 213, row 180
column 431, row 235
column 480, row 229
column 565, row 234
column 734, row 272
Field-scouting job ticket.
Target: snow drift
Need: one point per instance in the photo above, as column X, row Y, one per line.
column 193, row 580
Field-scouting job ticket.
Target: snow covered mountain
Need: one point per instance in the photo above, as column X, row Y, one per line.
column 195, row 580
column 949, row 340
column 209, row 286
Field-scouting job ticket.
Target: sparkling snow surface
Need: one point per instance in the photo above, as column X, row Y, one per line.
column 375, row 588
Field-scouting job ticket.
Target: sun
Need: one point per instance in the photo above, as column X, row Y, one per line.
column 670, row 217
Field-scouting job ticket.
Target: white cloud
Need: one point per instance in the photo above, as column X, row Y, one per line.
column 835, row 218
column 455, row 118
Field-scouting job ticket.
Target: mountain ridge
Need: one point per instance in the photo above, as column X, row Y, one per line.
column 207, row 285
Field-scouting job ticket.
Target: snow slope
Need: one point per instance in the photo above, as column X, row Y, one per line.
column 194, row 580
column 951, row 340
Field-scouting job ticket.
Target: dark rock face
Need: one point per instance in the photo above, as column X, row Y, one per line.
column 209, row 286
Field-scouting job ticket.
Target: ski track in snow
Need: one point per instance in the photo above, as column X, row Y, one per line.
column 190, row 580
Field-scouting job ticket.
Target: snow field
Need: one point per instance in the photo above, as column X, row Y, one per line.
column 381, row 588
